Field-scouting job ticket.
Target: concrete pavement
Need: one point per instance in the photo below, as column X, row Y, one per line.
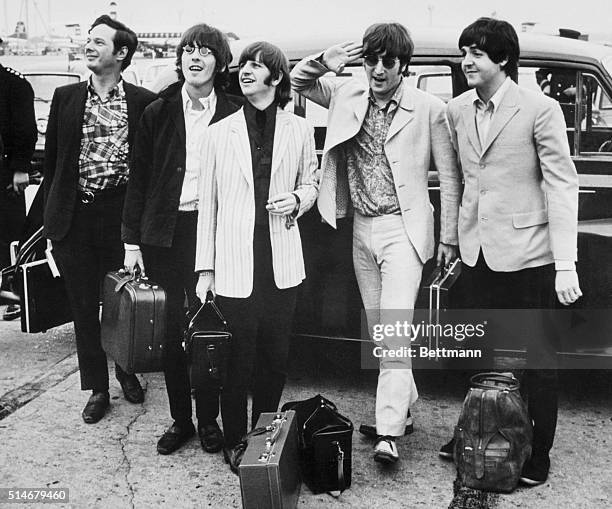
column 114, row 463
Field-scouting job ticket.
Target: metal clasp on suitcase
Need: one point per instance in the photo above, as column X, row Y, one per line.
column 274, row 428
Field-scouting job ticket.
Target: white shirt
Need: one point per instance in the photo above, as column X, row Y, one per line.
column 196, row 123
column 485, row 112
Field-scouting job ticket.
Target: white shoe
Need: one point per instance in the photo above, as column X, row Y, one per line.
column 385, row 450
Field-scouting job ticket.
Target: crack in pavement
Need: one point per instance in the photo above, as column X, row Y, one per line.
column 123, row 442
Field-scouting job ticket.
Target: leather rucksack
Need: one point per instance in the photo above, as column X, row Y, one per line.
column 493, row 435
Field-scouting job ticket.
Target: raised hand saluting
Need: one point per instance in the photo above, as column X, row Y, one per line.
column 337, row 57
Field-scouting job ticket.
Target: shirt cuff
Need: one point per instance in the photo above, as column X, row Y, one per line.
column 131, row 247
column 565, row 265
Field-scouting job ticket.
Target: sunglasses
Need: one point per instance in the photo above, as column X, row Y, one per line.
column 372, row 60
column 202, row 50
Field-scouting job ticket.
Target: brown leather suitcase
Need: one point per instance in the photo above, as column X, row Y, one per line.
column 270, row 471
column 133, row 329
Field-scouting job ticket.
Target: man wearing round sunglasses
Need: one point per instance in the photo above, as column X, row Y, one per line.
column 381, row 139
column 161, row 212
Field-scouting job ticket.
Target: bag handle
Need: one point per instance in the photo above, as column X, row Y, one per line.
column 479, row 381
column 211, row 301
column 340, row 461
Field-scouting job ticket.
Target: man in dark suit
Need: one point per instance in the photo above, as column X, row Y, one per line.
column 161, row 211
column 17, row 142
column 89, row 135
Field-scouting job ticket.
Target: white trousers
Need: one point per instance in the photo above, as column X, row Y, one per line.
column 388, row 271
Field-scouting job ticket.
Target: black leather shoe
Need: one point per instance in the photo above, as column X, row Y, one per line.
column 174, row 437
column 96, row 407
column 211, row 437
column 132, row 390
column 447, row 451
column 233, row 455
column 535, row 470
column 12, row 312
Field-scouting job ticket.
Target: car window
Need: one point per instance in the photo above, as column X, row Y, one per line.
column 558, row 83
column 596, row 127
column 437, row 80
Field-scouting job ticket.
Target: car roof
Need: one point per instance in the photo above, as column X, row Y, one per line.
column 439, row 42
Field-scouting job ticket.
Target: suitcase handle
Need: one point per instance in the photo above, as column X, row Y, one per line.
column 276, row 425
column 136, row 277
column 275, row 428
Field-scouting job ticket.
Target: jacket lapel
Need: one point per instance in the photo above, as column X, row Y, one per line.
column 403, row 115
column 75, row 109
column 281, row 137
column 239, row 136
column 468, row 114
column 131, row 98
column 223, row 108
column 507, row 108
column 178, row 117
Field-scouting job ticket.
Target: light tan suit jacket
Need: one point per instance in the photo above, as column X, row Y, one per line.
column 418, row 140
column 226, row 217
column 520, row 200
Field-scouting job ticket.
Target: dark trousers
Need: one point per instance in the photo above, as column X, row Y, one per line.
column 12, row 219
column 173, row 268
column 260, row 326
column 91, row 248
column 533, row 289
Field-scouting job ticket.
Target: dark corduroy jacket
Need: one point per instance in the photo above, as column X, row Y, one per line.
column 157, row 168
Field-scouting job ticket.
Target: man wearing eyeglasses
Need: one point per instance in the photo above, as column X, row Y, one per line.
column 87, row 148
column 161, row 212
column 381, row 139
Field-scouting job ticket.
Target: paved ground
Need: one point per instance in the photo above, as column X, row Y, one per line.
column 114, row 463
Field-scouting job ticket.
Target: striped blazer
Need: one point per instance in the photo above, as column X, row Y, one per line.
column 227, row 202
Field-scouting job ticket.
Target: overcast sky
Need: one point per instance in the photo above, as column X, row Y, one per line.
column 261, row 17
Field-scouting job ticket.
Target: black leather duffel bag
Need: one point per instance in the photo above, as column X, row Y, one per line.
column 207, row 344
column 325, row 441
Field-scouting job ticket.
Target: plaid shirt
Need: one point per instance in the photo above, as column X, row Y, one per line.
column 103, row 160
column 369, row 175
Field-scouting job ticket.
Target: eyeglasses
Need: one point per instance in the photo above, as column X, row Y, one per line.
column 202, row 50
column 372, row 60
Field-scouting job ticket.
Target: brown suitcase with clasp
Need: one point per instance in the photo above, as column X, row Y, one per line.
column 270, row 471
column 133, row 330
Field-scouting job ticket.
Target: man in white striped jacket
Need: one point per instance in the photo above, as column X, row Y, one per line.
column 258, row 176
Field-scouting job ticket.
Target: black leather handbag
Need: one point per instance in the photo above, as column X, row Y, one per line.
column 207, row 344
column 325, row 441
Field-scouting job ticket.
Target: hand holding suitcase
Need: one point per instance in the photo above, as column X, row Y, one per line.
column 133, row 329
